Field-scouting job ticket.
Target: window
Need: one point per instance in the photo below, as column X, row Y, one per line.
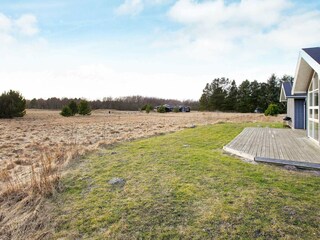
column 313, row 108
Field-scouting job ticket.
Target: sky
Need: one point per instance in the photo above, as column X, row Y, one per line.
column 158, row 48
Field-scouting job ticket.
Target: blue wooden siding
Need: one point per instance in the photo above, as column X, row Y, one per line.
column 299, row 114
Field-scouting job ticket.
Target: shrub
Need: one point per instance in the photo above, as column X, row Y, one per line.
column 74, row 107
column 176, row 109
column 272, row 110
column 144, row 107
column 12, row 104
column 66, row 111
column 84, row 108
column 161, row 109
column 148, row 108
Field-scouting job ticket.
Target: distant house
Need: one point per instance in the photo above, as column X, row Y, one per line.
column 170, row 108
column 167, row 107
column 303, row 95
column 184, row 109
column 296, row 109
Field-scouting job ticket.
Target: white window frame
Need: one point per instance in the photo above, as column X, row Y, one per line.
column 311, row 94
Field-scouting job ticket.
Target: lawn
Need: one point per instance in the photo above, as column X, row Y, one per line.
column 182, row 186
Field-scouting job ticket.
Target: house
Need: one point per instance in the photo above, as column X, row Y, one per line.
column 303, row 95
column 184, row 109
column 170, row 108
column 167, row 107
column 296, row 106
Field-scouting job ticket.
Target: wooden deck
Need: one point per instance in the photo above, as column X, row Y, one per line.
column 280, row 146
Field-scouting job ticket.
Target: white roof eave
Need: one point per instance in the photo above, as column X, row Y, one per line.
column 311, row 62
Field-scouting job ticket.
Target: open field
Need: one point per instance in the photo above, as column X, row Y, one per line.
column 176, row 186
column 25, row 141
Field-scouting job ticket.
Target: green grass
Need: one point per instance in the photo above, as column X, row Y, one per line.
column 182, row 186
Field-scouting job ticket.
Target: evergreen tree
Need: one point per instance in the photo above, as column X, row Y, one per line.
column 263, row 89
column 254, row 95
column 214, row 95
column 205, row 98
column 232, row 97
column 84, row 108
column 33, row 103
column 286, row 78
column 148, row 108
column 244, row 97
column 161, row 109
column 273, row 90
column 73, row 107
column 66, row 111
column 223, row 96
column 12, row 104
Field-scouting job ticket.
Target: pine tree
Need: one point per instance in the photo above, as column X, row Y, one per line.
column 204, row 99
column 254, row 95
column 232, row 97
column 84, row 108
column 33, row 103
column 12, row 104
column 74, row 107
column 263, row 89
column 244, row 99
column 214, row 95
column 273, row 89
column 66, row 111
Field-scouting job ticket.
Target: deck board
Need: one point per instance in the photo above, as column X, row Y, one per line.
column 277, row 144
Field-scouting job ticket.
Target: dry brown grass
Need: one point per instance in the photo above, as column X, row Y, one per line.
column 34, row 150
column 25, row 142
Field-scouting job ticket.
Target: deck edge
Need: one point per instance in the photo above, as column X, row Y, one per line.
column 304, row 165
column 239, row 153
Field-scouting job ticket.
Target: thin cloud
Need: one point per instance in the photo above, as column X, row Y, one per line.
column 135, row 7
column 27, row 25
column 10, row 29
column 130, row 7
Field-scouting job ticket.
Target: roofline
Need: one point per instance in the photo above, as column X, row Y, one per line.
column 297, row 96
column 282, row 92
column 310, row 61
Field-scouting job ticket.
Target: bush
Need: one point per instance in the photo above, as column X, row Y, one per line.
column 74, row 107
column 144, row 107
column 84, row 108
column 176, row 110
column 147, row 108
column 161, row 109
column 66, row 111
column 272, row 110
column 12, row 104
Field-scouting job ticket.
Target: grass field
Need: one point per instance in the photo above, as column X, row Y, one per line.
column 25, row 141
column 182, row 186
column 36, row 149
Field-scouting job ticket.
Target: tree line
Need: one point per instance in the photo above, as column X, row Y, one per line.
column 222, row 94
column 129, row 103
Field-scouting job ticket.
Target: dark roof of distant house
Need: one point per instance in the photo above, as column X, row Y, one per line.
column 314, row 53
column 287, row 88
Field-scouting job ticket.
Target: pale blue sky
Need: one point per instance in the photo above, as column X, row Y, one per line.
column 161, row 48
